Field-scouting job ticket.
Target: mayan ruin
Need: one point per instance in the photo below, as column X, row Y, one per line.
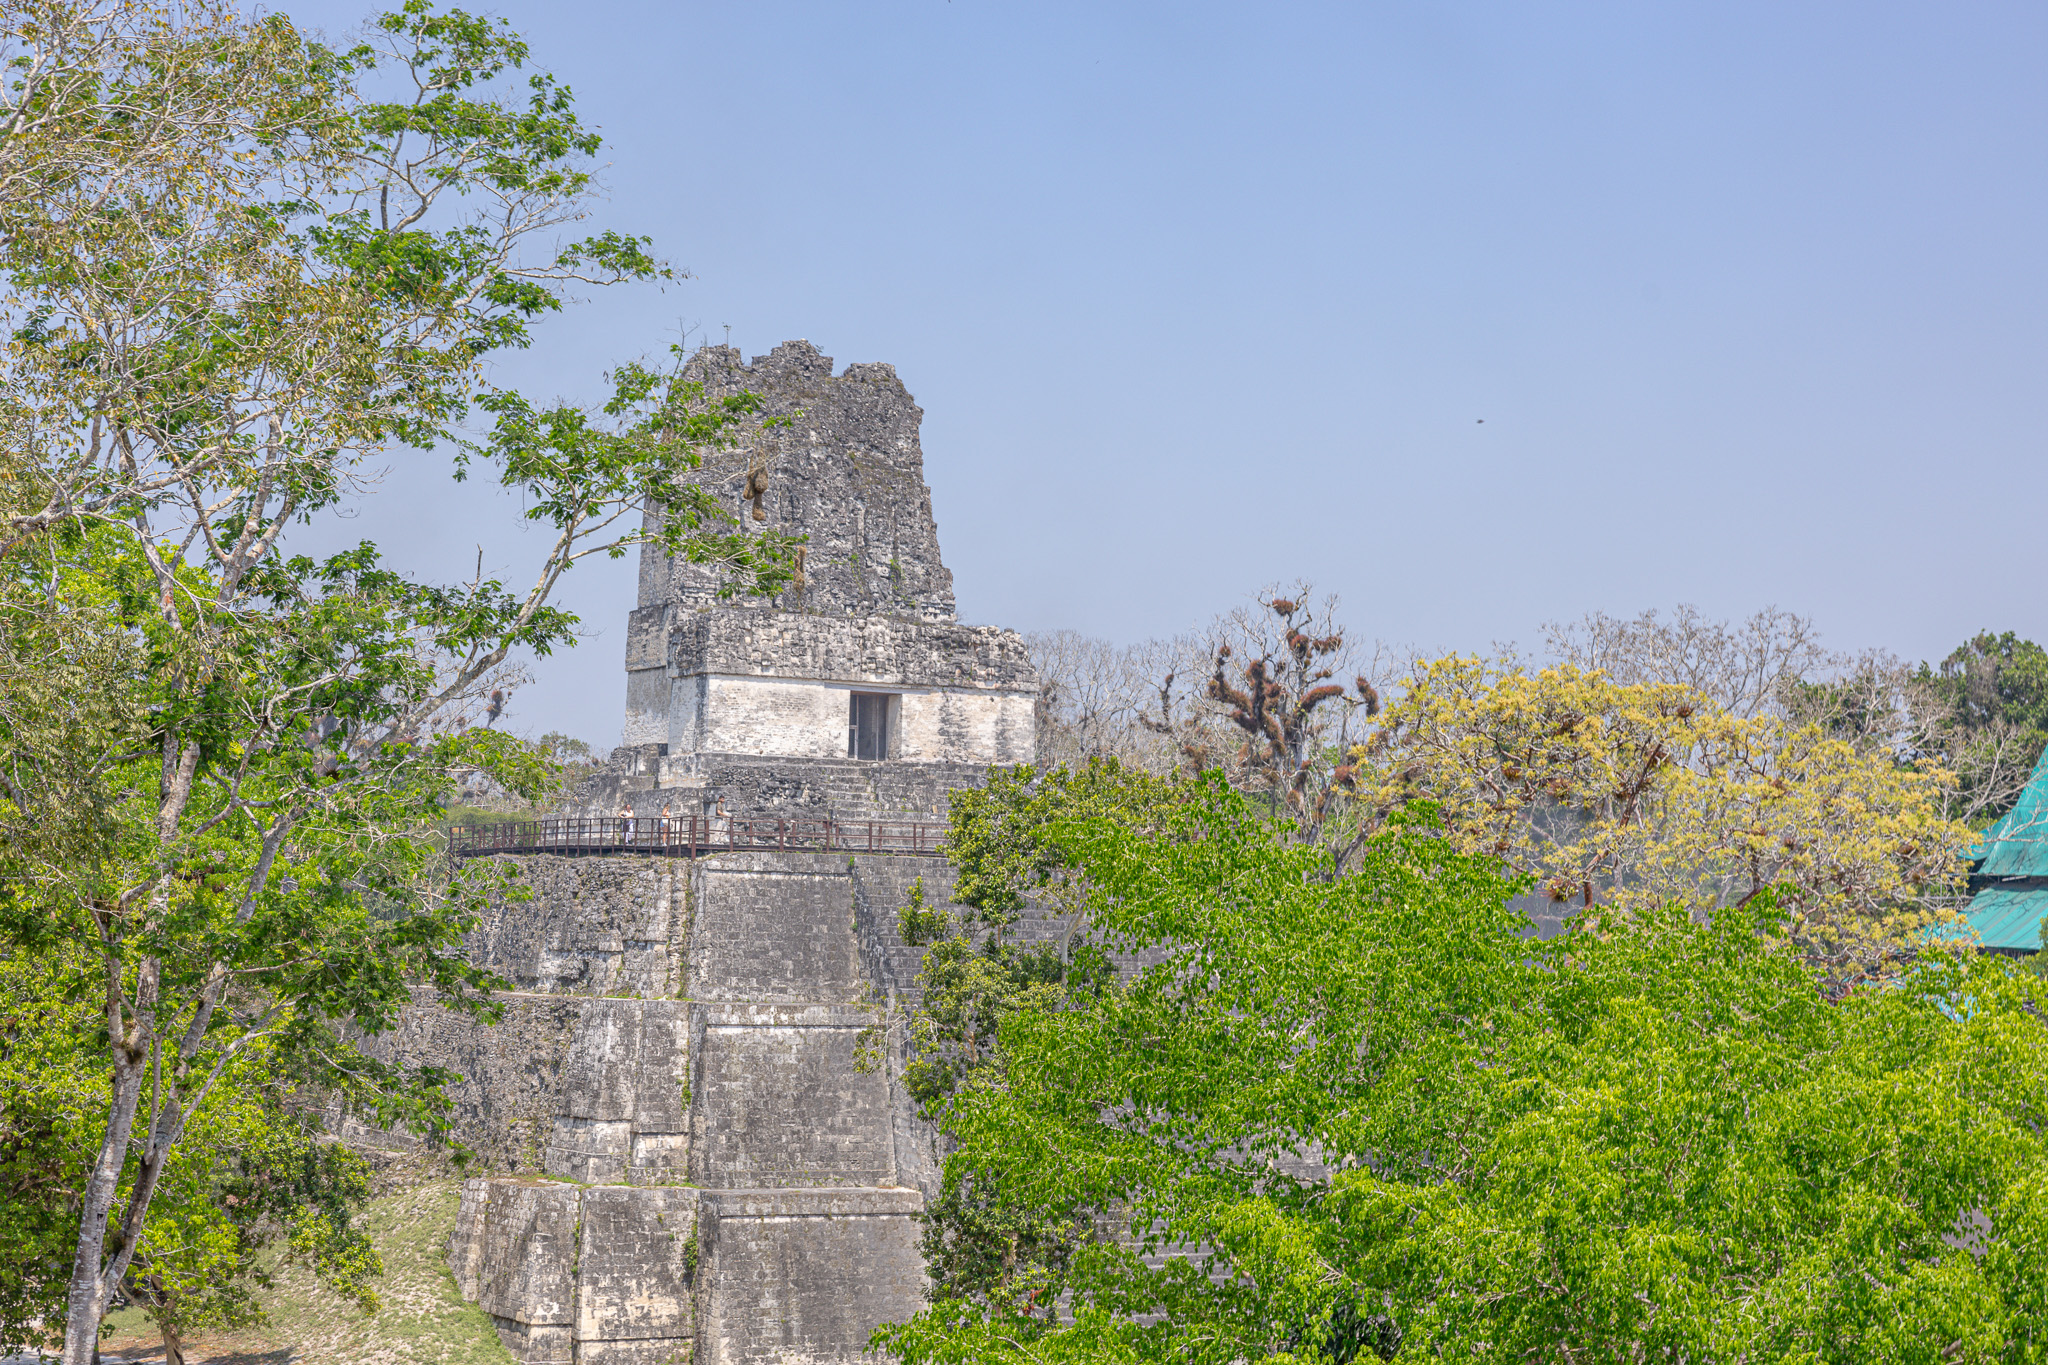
column 691, row 1159
column 1466, row 781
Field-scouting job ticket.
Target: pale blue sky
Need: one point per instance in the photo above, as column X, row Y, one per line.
column 1750, row 297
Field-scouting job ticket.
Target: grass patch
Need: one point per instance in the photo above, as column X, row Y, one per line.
column 423, row 1320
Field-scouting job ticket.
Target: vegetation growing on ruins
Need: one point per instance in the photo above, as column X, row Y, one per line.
column 1386, row 1124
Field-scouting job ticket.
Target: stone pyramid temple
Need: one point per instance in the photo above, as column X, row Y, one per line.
column 686, row 1161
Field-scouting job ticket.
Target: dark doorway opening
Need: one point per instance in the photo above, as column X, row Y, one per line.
column 867, row 725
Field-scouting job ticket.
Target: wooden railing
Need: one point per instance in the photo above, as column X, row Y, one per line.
column 691, row 836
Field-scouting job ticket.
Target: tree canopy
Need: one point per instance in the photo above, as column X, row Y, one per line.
column 237, row 263
column 1651, row 760
column 1364, row 1116
column 255, row 1175
column 1993, row 696
column 1625, row 795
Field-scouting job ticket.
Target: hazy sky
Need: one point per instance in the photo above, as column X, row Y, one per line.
column 1480, row 315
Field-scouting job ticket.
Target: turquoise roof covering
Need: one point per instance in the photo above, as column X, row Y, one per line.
column 2017, row 846
column 2009, row 919
column 2009, row 916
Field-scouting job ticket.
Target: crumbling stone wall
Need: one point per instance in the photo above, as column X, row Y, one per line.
column 648, row 778
column 582, row 1275
column 593, row 926
column 872, row 605
column 849, row 472
column 504, row 1106
column 750, row 680
column 738, row 640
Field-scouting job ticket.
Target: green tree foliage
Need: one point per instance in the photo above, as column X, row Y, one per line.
column 1365, row 1117
column 236, row 263
column 976, row 973
column 1000, row 837
column 1993, row 691
column 973, row 1242
column 1992, row 678
column 254, row 1173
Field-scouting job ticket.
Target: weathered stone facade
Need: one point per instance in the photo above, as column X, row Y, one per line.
column 688, row 1162
column 776, row 683
column 871, row 613
column 847, row 473
column 687, row 1146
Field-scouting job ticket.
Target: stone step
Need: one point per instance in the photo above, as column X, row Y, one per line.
column 617, row 1275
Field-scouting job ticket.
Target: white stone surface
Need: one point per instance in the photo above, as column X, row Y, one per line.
column 804, row 718
column 647, row 706
column 965, row 727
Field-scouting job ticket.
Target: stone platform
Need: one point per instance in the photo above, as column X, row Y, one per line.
column 691, row 1163
column 687, row 1160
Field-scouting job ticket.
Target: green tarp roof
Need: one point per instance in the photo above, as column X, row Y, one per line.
column 2005, row 918
column 2017, row 846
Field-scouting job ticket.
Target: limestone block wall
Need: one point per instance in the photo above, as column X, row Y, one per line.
column 879, row 650
column 622, row 1115
column 506, row 1104
column 636, row 1268
column 648, row 777
column 780, row 1103
column 843, row 788
column 782, row 1259
column 514, row 1253
column 688, row 1163
column 795, row 718
column 648, row 693
column 752, row 681
column 880, row 892
column 607, row 1275
column 775, row 928
column 786, row 717
column 581, row 1275
column 969, row 727
column 591, row 926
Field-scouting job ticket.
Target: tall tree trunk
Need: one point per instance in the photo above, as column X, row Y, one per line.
column 174, row 1344
column 131, row 1032
column 87, row 1301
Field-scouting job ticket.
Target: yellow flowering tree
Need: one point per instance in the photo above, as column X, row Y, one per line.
column 1617, row 796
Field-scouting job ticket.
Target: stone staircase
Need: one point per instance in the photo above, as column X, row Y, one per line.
column 691, row 1164
column 767, row 786
column 842, row 788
